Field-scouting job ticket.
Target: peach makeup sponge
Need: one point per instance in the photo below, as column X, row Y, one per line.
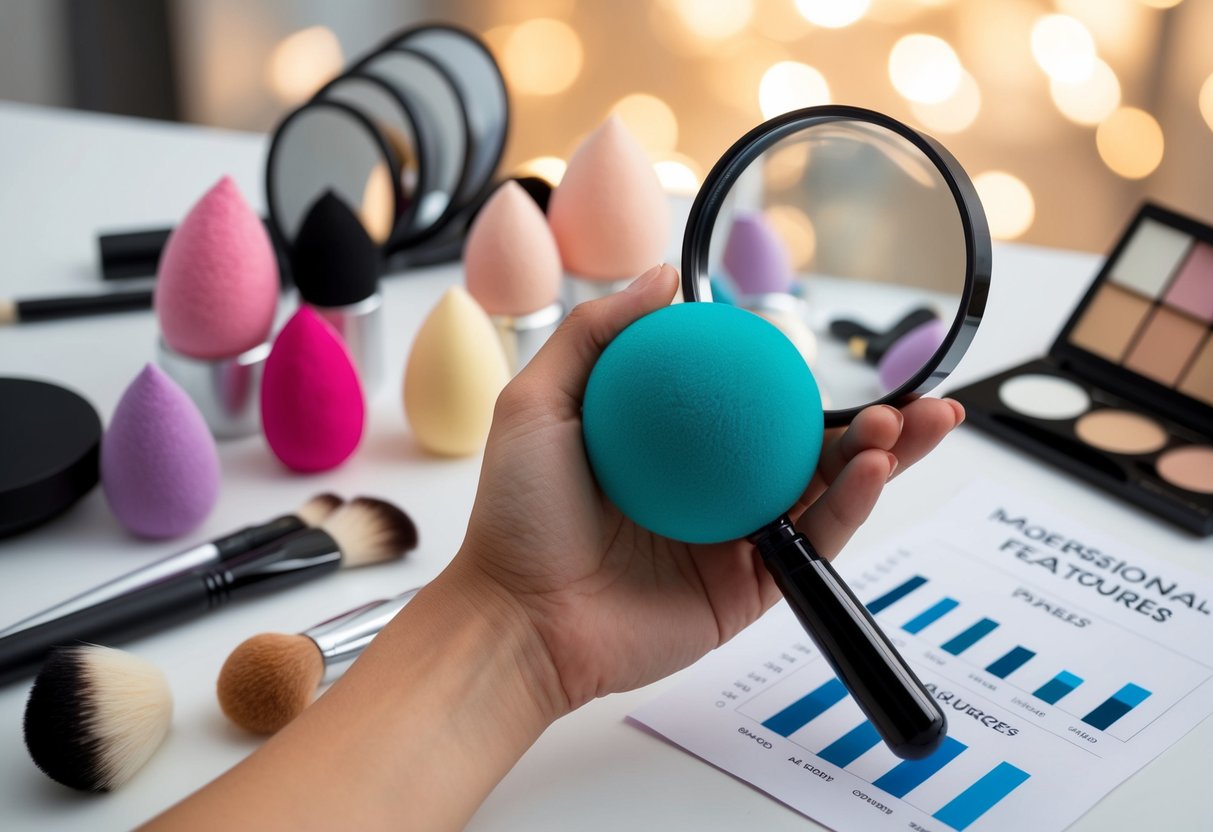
column 609, row 214
column 455, row 370
column 510, row 258
column 217, row 283
column 159, row 466
column 312, row 408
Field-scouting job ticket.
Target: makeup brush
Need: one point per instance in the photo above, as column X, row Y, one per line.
column 870, row 344
column 95, row 715
column 270, row 678
column 312, row 513
column 30, row 310
column 364, row 531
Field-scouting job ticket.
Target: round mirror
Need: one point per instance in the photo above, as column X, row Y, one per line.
column 859, row 237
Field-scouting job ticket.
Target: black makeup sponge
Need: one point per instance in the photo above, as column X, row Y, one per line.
column 333, row 260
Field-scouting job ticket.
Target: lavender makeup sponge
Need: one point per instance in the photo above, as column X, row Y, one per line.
column 217, row 283
column 312, row 408
column 756, row 258
column 702, row 422
column 159, row 466
column 909, row 353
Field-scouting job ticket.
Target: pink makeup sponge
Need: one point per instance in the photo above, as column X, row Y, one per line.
column 312, row 409
column 510, row 259
column 609, row 214
column 159, row 466
column 217, row 284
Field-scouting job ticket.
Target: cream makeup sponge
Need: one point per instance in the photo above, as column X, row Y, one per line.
column 510, row 259
column 455, row 370
column 217, row 283
column 609, row 214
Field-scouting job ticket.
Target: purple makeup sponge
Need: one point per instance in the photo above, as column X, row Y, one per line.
column 908, row 353
column 756, row 258
column 159, row 466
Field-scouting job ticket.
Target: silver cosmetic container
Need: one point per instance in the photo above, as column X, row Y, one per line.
column 360, row 325
column 522, row 335
column 227, row 391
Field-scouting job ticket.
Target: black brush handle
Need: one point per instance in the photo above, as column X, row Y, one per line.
column 305, row 556
column 75, row 306
column 906, row 716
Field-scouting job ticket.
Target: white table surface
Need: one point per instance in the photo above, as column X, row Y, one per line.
column 65, row 175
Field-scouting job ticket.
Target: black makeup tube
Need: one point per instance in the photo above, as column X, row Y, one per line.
column 905, row 715
column 302, row 557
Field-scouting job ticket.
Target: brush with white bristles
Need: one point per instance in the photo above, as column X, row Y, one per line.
column 270, row 678
column 312, row 513
column 95, row 715
column 364, row 531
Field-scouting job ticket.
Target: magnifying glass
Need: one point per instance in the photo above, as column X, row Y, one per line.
column 703, row 423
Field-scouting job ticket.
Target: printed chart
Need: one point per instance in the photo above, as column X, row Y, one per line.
column 1056, row 685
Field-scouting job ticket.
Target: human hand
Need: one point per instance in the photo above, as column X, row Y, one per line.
column 613, row 605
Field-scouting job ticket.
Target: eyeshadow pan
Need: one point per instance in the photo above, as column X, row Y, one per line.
column 1044, row 396
column 1198, row 381
column 1121, row 431
column 1192, row 290
column 1190, row 468
column 1150, row 258
column 1165, row 346
column 1110, row 321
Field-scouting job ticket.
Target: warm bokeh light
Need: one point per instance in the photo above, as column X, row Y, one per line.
column 303, row 62
column 1130, row 142
column 377, row 211
column 832, row 14
column 550, row 168
column 541, row 57
column 1161, row 4
column 954, row 114
column 795, row 229
column 1063, row 48
column 1008, row 202
column 650, row 120
column 1206, row 101
column 678, row 174
column 924, row 68
column 789, row 85
column 785, row 166
column 714, row 19
column 1091, row 101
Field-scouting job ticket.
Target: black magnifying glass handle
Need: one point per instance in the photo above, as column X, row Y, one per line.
column 901, row 710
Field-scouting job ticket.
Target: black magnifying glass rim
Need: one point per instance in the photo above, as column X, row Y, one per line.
column 978, row 259
column 357, row 118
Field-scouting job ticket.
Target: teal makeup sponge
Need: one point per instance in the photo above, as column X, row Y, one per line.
column 702, row 423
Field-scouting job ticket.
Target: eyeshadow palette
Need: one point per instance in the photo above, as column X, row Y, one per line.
column 1124, row 398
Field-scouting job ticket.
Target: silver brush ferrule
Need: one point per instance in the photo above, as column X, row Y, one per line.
column 342, row 639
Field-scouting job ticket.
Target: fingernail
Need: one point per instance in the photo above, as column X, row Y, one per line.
column 901, row 418
column 642, row 282
column 958, row 409
column 892, row 465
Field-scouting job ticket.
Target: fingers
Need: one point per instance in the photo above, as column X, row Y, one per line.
column 845, row 505
column 927, row 422
column 557, row 375
column 874, row 427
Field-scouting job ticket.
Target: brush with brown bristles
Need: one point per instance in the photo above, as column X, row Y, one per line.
column 309, row 515
column 362, row 532
column 270, row 678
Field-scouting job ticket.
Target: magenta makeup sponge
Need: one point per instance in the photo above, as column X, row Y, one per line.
column 755, row 257
column 159, row 466
column 312, row 410
column 217, row 283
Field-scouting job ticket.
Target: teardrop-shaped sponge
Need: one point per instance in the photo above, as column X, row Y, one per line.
column 510, row 258
column 455, row 370
column 609, row 214
column 217, row 283
column 312, row 408
column 159, row 466
column 756, row 257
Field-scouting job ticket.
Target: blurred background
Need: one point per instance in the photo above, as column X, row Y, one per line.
column 1066, row 112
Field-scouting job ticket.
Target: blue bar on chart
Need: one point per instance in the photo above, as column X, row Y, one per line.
column 805, row 709
column 1119, row 704
column 969, row 637
column 910, row 774
column 1009, row 663
column 982, row 796
column 1057, row 687
column 852, row 745
column 930, row 615
column 896, row 594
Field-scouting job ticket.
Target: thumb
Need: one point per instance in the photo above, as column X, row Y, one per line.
column 556, row 377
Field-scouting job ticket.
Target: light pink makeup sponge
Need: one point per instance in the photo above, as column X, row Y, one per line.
column 312, row 409
column 217, row 283
column 609, row 214
column 510, row 258
column 159, row 466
